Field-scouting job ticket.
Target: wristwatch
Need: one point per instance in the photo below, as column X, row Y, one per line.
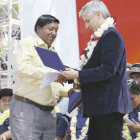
column 3, row 137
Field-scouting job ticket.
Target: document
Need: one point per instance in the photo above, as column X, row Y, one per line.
column 74, row 100
column 128, row 121
column 49, row 78
column 50, row 59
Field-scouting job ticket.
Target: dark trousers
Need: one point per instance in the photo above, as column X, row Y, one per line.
column 105, row 127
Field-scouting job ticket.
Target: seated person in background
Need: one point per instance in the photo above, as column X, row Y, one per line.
column 78, row 126
column 5, row 98
column 135, row 72
column 62, row 118
column 4, row 66
column 1, row 60
column 128, row 68
column 130, row 131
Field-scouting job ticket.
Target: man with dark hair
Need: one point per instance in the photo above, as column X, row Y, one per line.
column 135, row 72
column 42, row 26
column 128, row 67
column 5, row 98
column 31, row 111
column 130, row 130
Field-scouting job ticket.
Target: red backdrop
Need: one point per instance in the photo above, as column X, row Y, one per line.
column 127, row 13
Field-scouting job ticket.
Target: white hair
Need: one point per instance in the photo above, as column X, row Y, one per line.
column 95, row 6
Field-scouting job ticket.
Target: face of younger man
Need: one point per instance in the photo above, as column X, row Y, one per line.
column 135, row 76
column 135, row 100
column 4, row 103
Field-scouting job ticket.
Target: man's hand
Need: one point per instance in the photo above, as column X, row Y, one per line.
column 61, row 79
column 69, row 73
column 135, row 127
column 70, row 92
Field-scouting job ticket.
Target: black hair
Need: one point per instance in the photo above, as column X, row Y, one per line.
column 136, row 65
column 135, row 69
column 45, row 19
column 132, row 73
column 134, row 86
column 6, row 92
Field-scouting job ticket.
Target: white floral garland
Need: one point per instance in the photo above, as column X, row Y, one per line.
column 73, row 127
column 126, row 132
column 4, row 116
column 109, row 22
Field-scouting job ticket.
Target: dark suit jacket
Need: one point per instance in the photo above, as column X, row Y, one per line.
column 103, row 78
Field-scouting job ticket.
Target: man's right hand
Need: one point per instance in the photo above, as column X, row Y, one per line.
column 61, row 79
column 70, row 92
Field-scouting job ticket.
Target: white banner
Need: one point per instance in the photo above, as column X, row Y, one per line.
column 66, row 43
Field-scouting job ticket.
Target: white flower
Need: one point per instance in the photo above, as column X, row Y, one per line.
column 126, row 132
column 84, row 130
column 98, row 33
column 74, row 119
column 73, row 128
column 91, row 44
column 105, row 27
column 110, row 20
column 89, row 54
column 82, row 57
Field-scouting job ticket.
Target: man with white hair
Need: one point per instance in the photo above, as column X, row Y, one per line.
column 102, row 77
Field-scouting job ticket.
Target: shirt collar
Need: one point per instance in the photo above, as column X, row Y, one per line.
column 41, row 43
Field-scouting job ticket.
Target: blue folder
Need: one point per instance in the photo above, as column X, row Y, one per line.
column 74, row 100
column 50, row 58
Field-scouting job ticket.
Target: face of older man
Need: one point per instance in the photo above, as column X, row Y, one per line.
column 48, row 32
column 94, row 21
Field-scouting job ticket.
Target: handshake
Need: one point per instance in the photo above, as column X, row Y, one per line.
column 75, row 95
column 59, row 76
column 55, row 62
column 68, row 74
